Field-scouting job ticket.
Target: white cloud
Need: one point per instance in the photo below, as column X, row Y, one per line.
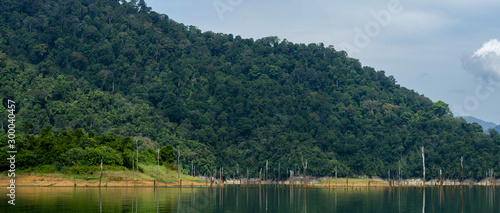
column 492, row 46
column 485, row 62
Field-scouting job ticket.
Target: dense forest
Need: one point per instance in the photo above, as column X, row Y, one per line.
column 91, row 77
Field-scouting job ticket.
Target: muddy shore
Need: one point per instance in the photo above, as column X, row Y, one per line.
column 29, row 180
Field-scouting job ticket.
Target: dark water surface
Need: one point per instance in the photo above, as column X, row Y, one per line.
column 253, row 199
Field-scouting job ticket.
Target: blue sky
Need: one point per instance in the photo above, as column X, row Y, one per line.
column 445, row 50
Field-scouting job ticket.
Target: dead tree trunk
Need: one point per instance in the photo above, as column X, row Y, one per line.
column 267, row 173
column 158, row 162
column 137, row 157
column 260, row 177
column 462, row 165
column 304, row 179
column 100, row 178
column 179, row 165
column 423, row 162
column 238, row 173
column 336, row 176
column 133, row 169
column 389, row 177
column 279, row 172
column 399, row 174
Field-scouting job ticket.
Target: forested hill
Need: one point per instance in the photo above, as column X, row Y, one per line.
column 117, row 67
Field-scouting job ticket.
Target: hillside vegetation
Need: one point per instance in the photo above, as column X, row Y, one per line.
column 83, row 71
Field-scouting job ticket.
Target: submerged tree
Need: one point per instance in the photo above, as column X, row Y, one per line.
column 423, row 164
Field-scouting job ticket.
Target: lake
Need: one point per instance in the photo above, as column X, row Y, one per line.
column 253, row 199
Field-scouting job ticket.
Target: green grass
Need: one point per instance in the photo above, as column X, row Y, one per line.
column 111, row 173
column 42, row 169
column 351, row 180
column 166, row 175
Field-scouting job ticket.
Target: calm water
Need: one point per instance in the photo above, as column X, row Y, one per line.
column 265, row 199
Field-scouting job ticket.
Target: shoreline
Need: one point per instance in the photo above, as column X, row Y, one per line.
column 40, row 180
column 30, row 180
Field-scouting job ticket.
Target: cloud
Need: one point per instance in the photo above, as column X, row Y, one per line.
column 485, row 62
column 492, row 46
column 419, row 22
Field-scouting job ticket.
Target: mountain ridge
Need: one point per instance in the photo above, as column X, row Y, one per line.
column 225, row 101
column 485, row 124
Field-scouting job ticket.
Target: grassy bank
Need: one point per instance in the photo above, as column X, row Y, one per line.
column 148, row 175
column 351, row 182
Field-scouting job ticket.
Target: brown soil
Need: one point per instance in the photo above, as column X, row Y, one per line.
column 375, row 184
column 47, row 181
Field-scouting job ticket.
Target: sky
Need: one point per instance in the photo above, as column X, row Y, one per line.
column 447, row 50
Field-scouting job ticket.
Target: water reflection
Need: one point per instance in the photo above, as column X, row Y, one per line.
column 399, row 200
column 157, row 201
column 423, row 201
column 256, row 199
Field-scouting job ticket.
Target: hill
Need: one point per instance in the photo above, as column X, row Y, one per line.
column 118, row 69
column 486, row 125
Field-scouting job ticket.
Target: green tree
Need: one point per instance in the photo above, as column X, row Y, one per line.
column 167, row 154
column 440, row 108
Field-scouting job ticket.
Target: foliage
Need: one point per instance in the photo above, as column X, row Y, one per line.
column 119, row 69
column 167, row 154
column 92, row 156
column 40, row 169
